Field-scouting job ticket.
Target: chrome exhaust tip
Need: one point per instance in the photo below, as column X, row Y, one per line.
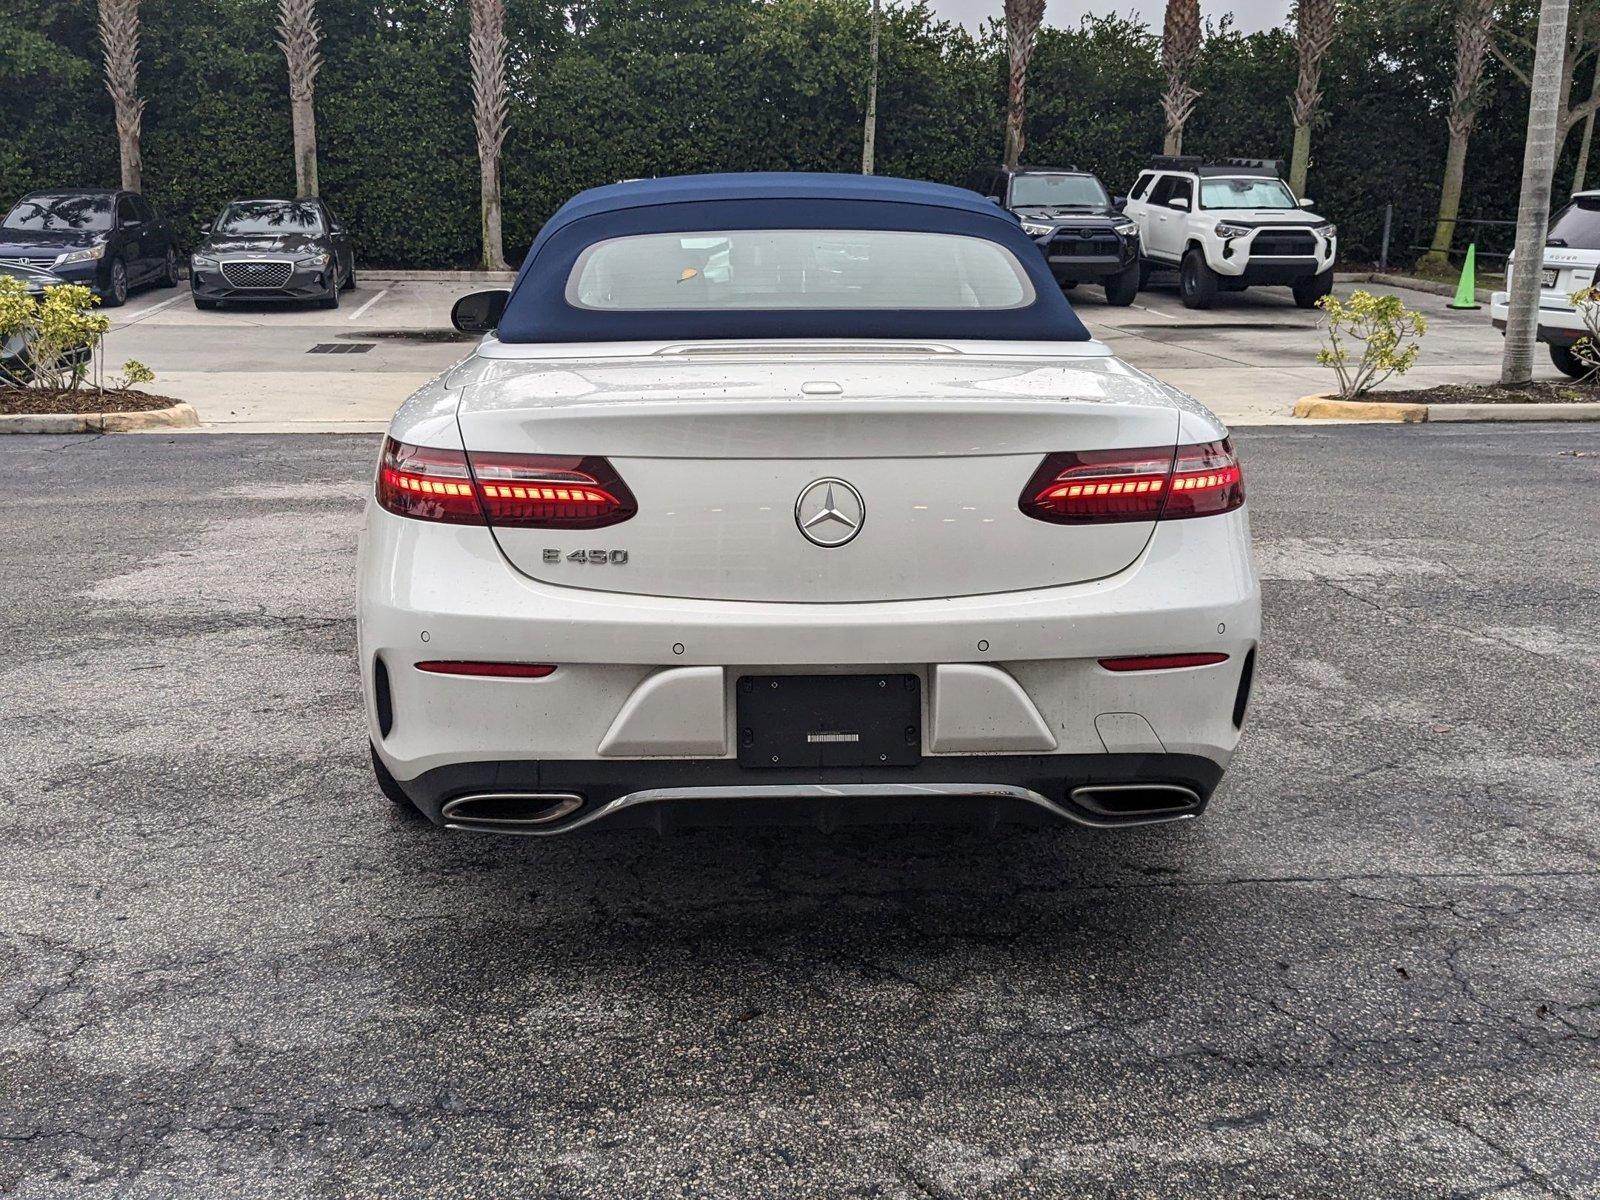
column 1138, row 802
column 508, row 812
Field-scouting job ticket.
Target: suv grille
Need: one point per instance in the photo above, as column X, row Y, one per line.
column 1084, row 243
column 257, row 274
column 1285, row 243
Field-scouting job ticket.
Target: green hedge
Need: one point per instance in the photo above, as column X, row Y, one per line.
column 612, row 89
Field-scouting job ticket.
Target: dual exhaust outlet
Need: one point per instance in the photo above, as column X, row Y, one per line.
column 1104, row 805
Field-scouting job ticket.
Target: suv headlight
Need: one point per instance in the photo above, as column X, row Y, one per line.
column 1126, row 228
column 1034, row 229
column 1225, row 230
column 87, row 254
column 1330, row 230
column 312, row 260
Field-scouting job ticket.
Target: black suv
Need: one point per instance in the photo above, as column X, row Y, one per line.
column 1078, row 225
column 110, row 240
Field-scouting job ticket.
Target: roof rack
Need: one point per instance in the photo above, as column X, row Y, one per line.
column 1218, row 166
column 1023, row 167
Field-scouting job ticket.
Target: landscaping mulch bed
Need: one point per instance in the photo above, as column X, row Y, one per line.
column 16, row 401
column 1541, row 392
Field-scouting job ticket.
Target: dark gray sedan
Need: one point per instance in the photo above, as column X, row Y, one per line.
column 272, row 250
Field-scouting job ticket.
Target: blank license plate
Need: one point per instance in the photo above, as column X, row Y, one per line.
column 829, row 720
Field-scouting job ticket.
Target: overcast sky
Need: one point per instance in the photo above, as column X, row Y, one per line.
column 1249, row 15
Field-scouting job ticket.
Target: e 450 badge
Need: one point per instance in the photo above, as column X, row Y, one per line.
column 595, row 558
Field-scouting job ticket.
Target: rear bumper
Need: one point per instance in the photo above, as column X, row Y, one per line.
column 1559, row 322
column 1092, row 790
column 645, row 686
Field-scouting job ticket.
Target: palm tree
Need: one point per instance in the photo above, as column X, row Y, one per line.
column 119, row 40
column 1023, row 18
column 1546, row 94
column 869, row 131
column 1180, row 48
column 1580, row 42
column 1474, row 22
column 1313, row 35
column 298, row 35
column 487, row 48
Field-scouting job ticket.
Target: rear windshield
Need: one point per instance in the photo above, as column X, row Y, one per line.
column 1056, row 191
column 1577, row 225
column 822, row 269
column 270, row 216
column 1245, row 193
column 61, row 214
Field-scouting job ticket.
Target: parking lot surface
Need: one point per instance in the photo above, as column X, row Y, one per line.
column 229, row 968
column 268, row 367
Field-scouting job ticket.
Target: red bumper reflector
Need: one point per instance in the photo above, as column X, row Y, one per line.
column 1161, row 662
column 487, row 670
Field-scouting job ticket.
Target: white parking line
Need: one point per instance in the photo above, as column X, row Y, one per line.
column 155, row 308
column 367, row 305
column 1155, row 312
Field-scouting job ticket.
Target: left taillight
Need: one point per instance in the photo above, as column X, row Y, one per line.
column 1094, row 487
column 538, row 491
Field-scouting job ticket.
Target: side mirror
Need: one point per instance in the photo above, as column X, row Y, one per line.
column 1119, row 203
column 205, row 231
column 480, row 312
column 1179, row 202
column 336, row 229
column 1306, row 203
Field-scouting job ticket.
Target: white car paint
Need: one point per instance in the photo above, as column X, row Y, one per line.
column 1001, row 618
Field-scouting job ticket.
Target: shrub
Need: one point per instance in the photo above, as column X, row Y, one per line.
column 54, row 341
column 1587, row 348
column 1389, row 335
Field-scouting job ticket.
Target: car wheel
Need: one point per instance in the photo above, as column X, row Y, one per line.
column 169, row 271
column 1122, row 287
column 331, row 300
column 116, row 295
column 350, row 278
column 203, row 304
column 389, row 786
column 1308, row 291
column 1145, row 271
column 1568, row 363
column 1067, row 284
column 1197, row 283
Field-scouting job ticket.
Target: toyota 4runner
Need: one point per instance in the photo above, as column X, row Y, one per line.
column 1076, row 223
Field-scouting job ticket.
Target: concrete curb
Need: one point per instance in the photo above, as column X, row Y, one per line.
column 1407, row 283
column 178, row 416
column 1325, row 408
column 402, row 275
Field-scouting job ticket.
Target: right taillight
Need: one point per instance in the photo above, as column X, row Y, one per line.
column 1093, row 487
column 539, row 491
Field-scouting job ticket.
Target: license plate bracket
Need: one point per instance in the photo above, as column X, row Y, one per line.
column 1547, row 277
column 798, row 721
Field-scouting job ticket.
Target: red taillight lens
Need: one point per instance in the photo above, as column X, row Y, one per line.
column 486, row 670
column 1161, row 662
column 1094, row 487
column 510, row 490
column 545, row 491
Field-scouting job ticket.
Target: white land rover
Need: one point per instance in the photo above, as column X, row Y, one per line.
column 1571, row 263
column 1228, row 225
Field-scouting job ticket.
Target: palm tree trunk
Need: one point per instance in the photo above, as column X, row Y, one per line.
column 298, row 38
column 1023, row 18
column 1474, row 24
column 1581, row 171
column 1533, row 211
column 869, row 131
column 1455, row 172
column 119, row 42
column 1180, row 49
column 1314, row 22
column 487, row 49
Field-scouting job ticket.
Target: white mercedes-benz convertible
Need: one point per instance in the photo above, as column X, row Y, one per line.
column 773, row 497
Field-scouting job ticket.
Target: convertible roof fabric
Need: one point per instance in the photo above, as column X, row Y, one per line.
column 538, row 310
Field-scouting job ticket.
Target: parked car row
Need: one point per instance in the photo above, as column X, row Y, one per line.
column 113, row 242
column 1224, row 225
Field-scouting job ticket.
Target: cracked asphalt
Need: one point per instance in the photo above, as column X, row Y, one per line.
column 229, row 969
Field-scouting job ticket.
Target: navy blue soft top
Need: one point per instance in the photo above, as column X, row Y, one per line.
column 538, row 310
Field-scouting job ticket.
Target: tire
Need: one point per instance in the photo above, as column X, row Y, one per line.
column 116, row 295
column 203, row 304
column 169, row 271
column 1568, row 363
column 1122, row 287
column 1308, row 291
column 1066, row 285
column 1145, row 271
column 331, row 300
column 1197, row 283
column 389, row 786
column 350, row 279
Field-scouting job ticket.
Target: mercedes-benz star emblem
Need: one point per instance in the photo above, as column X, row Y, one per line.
column 830, row 512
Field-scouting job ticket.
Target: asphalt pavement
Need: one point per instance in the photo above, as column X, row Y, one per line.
column 229, row 968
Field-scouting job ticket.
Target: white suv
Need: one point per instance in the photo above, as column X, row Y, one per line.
column 1571, row 263
column 1229, row 224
